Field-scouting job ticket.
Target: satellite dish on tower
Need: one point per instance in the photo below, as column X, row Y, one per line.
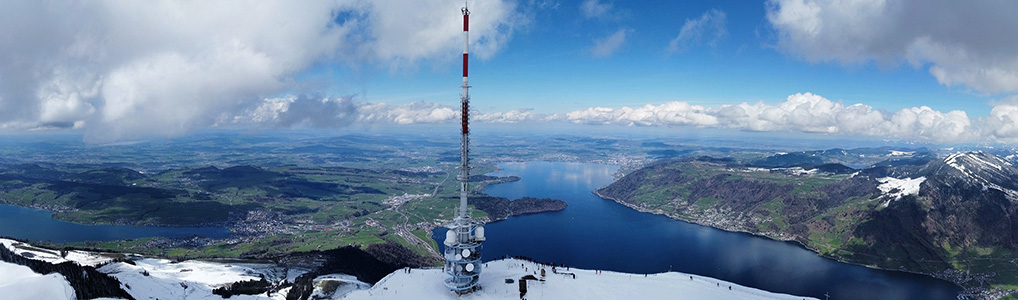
column 466, row 252
column 470, row 267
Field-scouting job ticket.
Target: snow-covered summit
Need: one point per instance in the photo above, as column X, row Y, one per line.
column 561, row 283
column 977, row 159
column 985, row 169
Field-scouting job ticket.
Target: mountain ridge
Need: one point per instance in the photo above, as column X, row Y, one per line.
column 941, row 216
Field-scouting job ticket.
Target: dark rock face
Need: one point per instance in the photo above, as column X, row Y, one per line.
column 88, row 283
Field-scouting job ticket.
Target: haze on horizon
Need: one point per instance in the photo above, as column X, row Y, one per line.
column 913, row 71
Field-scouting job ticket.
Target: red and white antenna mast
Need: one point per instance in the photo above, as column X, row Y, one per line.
column 465, row 117
column 463, row 240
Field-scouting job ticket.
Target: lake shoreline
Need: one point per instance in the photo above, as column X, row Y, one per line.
column 45, row 219
column 56, row 211
column 764, row 235
column 597, row 234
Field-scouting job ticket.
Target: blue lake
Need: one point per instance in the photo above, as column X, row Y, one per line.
column 36, row 224
column 594, row 233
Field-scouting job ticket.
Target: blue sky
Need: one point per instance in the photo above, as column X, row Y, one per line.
column 911, row 70
column 548, row 67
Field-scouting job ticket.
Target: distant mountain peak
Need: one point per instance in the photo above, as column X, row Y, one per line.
column 983, row 168
column 979, row 159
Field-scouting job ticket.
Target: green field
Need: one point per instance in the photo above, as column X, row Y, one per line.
column 280, row 193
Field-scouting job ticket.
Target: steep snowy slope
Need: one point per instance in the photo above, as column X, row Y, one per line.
column 981, row 168
column 19, row 282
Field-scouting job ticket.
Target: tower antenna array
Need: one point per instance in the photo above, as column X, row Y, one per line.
column 463, row 240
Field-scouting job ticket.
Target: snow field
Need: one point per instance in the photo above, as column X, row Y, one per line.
column 189, row 279
column 53, row 256
column 588, row 284
column 19, row 282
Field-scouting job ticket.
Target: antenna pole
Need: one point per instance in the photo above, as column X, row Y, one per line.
column 465, row 119
column 463, row 240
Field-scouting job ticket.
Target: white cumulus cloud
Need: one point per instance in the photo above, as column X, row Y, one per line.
column 804, row 112
column 126, row 69
column 671, row 113
column 1002, row 123
column 964, row 43
column 324, row 112
column 304, row 112
column 412, row 113
column 512, row 116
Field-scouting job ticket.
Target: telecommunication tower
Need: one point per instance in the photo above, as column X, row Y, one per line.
column 463, row 240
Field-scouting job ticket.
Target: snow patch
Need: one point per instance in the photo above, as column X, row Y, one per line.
column 147, row 278
column 799, row 171
column 19, row 282
column 333, row 286
column 952, row 160
column 53, row 256
column 902, row 153
column 587, row 284
column 189, row 279
column 978, row 160
column 895, row 188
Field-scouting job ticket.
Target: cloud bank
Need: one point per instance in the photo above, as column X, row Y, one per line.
column 803, row 112
column 964, row 43
column 323, row 112
column 123, row 69
column 806, row 112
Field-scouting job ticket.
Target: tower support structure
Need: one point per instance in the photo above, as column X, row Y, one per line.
column 463, row 240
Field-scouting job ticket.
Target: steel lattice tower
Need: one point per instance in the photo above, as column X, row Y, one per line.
column 463, row 240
